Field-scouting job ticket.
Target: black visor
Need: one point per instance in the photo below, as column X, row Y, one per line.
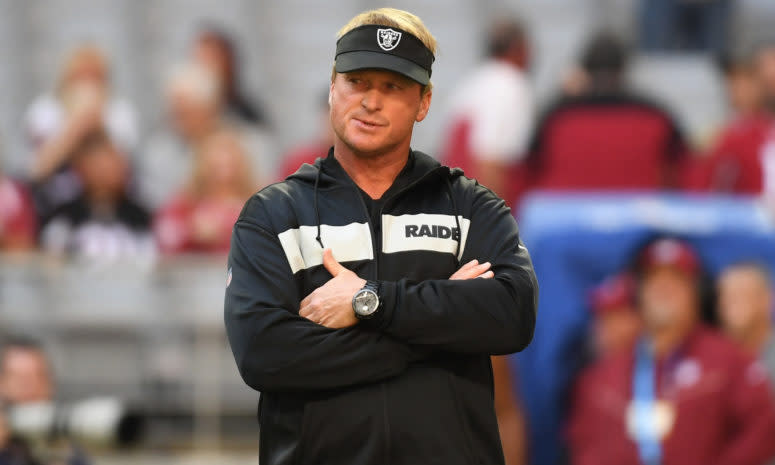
column 382, row 47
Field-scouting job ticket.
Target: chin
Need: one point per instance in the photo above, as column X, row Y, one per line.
column 366, row 149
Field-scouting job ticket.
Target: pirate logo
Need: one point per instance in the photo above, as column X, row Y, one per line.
column 388, row 39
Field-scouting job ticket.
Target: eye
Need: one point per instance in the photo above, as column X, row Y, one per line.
column 393, row 86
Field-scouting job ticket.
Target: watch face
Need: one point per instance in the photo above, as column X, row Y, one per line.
column 365, row 302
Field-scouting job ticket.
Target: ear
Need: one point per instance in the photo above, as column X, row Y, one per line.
column 425, row 106
column 330, row 92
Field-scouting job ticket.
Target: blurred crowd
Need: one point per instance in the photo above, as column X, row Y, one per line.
column 673, row 376
column 96, row 190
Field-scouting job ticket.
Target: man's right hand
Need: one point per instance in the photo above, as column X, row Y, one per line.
column 473, row 269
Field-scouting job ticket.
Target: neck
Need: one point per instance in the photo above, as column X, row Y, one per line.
column 668, row 338
column 373, row 174
column 758, row 337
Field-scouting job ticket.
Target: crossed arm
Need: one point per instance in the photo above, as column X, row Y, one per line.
column 330, row 305
column 320, row 346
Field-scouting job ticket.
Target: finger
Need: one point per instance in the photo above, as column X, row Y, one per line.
column 481, row 268
column 305, row 301
column 487, row 275
column 475, row 271
column 305, row 311
column 460, row 273
column 331, row 264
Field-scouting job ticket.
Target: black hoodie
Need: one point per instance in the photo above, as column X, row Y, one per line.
column 412, row 386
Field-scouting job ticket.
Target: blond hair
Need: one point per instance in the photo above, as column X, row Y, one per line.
column 227, row 140
column 392, row 17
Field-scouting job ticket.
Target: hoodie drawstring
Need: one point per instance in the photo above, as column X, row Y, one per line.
column 457, row 220
column 315, row 206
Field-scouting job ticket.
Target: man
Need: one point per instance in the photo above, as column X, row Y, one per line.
column 606, row 138
column 682, row 394
column 492, row 112
column 26, row 378
column 743, row 159
column 384, row 360
column 745, row 308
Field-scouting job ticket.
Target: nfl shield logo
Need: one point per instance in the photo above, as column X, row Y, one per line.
column 388, row 39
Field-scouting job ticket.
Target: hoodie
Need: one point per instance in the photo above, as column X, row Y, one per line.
column 412, row 385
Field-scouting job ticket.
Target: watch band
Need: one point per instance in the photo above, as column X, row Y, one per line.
column 372, row 286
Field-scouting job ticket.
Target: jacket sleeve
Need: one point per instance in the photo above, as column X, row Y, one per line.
column 751, row 415
column 479, row 316
column 276, row 349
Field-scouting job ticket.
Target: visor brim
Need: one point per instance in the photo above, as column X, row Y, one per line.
column 354, row 61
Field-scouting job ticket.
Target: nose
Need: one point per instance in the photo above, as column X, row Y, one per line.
column 372, row 100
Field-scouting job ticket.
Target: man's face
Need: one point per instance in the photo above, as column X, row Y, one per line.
column 744, row 300
column 24, row 376
column 374, row 111
column 668, row 296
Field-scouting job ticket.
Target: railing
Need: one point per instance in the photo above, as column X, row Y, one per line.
column 153, row 337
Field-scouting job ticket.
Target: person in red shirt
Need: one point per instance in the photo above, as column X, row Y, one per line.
column 616, row 323
column 742, row 161
column 606, row 137
column 491, row 113
column 17, row 216
column 200, row 218
column 683, row 394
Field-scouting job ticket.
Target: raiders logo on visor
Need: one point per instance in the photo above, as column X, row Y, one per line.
column 394, row 50
column 388, row 39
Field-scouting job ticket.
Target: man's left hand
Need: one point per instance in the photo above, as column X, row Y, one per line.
column 330, row 305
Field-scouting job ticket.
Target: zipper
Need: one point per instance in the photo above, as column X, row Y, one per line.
column 376, row 247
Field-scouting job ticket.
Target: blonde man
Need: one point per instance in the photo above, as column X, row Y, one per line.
column 346, row 302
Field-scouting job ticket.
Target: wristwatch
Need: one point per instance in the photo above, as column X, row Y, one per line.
column 366, row 301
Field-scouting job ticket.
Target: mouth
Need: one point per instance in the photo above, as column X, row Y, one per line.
column 367, row 124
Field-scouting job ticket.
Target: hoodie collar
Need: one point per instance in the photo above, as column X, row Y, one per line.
column 331, row 173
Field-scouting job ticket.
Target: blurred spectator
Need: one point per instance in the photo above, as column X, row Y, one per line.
column 13, row 451
column 511, row 418
column 307, row 153
column 745, row 300
column 690, row 25
column 616, row 322
column 194, row 111
column 492, row 112
column 102, row 224
column 744, row 94
column 217, row 51
column 607, row 137
column 26, row 378
column 57, row 122
column 744, row 155
column 25, row 374
column 17, row 216
column 200, row 218
column 683, row 394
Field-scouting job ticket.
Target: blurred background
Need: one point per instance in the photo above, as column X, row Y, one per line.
column 131, row 133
